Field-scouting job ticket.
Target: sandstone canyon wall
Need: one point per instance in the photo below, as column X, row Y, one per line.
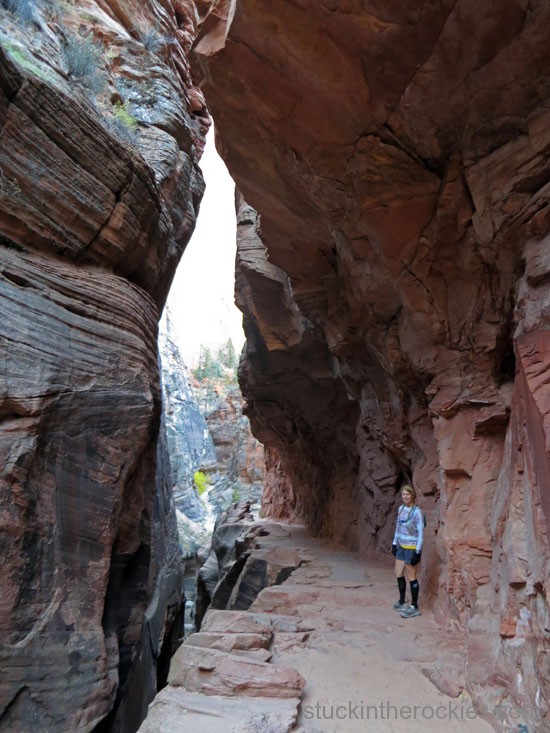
column 394, row 272
column 240, row 457
column 101, row 129
column 216, row 442
column 190, row 444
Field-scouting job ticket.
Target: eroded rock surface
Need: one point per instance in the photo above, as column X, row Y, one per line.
column 236, row 569
column 331, row 625
column 396, row 291
column 240, row 456
column 96, row 207
column 189, row 440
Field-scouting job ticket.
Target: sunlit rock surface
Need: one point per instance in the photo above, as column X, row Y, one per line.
column 99, row 190
column 218, row 444
column 396, row 290
column 190, row 443
column 240, row 457
column 223, row 672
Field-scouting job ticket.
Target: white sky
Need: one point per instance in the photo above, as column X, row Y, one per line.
column 201, row 300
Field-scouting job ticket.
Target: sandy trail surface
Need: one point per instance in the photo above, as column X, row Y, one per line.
column 366, row 668
column 321, row 652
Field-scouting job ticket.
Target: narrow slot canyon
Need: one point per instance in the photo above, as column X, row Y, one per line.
column 391, row 167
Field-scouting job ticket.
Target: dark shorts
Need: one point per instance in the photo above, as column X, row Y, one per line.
column 405, row 555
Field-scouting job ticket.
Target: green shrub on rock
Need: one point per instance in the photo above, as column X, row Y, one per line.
column 83, row 57
column 202, row 482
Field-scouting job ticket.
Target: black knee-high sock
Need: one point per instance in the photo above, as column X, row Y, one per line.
column 402, row 585
column 414, row 592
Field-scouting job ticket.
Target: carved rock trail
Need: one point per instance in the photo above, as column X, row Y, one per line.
column 334, row 644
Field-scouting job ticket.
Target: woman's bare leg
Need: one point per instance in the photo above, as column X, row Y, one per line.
column 399, row 568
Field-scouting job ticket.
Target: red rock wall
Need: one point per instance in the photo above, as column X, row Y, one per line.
column 240, row 457
column 395, row 288
column 91, row 229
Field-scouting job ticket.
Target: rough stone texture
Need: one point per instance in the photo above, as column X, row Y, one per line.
column 359, row 658
column 292, row 367
column 232, row 576
column 230, row 642
column 240, row 456
column 228, row 659
column 219, row 444
column 214, row 672
column 236, row 622
column 92, row 225
column 175, row 710
column 189, row 440
column 395, row 290
column 230, row 541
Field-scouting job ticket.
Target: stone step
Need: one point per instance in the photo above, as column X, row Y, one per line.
column 175, row 710
column 230, row 642
column 245, row 621
column 213, row 672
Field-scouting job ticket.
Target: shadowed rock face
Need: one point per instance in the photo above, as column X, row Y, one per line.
column 395, row 288
column 92, row 225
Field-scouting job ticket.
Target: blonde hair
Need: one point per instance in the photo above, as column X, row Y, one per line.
column 409, row 489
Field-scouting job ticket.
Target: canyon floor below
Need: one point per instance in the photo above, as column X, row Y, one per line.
column 321, row 652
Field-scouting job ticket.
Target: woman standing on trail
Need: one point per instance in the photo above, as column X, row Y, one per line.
column 407, row 550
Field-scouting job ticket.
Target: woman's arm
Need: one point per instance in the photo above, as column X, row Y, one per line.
column 419, row 519
column 394, row 541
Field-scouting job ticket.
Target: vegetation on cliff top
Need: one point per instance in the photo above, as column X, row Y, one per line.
column 215, row 374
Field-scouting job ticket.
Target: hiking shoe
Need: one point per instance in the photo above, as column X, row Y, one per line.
column 398, row 606
column 410, row 611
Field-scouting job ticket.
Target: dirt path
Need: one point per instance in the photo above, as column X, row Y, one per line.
column 363, row 668
column 366, row 668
